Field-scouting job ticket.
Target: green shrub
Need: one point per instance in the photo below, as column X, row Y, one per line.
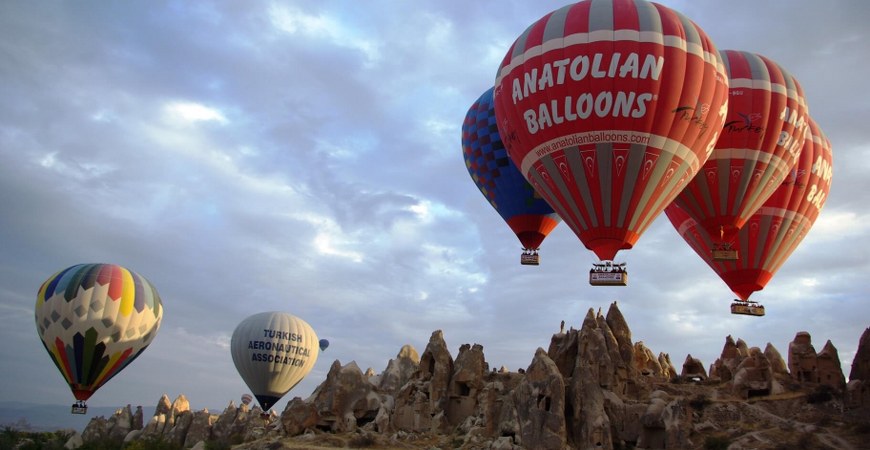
column 152, row 444
column 102, row 444
column 362, row 441
column 821, row 394
column 700, row 401
column 861, row 428
column 716, row 443
column 216, row 445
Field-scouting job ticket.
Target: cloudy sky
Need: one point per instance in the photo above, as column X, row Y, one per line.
column 305, row 157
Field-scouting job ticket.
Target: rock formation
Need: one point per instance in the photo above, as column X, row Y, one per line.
column 754, row 376
column 399, row 370
column 830, row 373
column 539, row 404
column 346, row 399
column 807, row 366
column 693, row 369
column 668, row 370
column 777, row 364
column 723, row 368
column 802, row 358
column 861, row 362
column 858, row 389
column 592, row 388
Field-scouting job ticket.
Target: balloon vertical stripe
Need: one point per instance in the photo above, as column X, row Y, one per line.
column 139, row 294
column 78, row 349
column 48, row 288
column 72, row 282
column 61, row 360
column 88, row 352
column 113, row 365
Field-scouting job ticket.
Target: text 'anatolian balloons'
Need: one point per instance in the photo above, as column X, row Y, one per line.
column 609, row 107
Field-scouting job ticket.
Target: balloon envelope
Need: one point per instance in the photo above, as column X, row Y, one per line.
column 760, row 142
column 499, row 180
column 609, row 107
column 776, row 229
column 246, row 399
column 324, row 344
column 273, row 351
column 94, row 320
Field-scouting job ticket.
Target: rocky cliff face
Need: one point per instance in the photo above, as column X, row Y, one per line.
column 858, row 389
column 591, row 388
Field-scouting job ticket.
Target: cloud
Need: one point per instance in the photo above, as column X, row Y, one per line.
column 194, row 112
column 322, row 26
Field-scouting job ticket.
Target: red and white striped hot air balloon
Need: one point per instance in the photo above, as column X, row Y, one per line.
column 760, row 143
column 771, row 234
column 609, row 108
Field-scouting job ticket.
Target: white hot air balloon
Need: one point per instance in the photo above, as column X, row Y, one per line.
column 273, row 351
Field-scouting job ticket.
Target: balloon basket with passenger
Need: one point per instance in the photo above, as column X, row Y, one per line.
column 608, row 273
column 724, row 252
column 530, row 257
column 79, row 407
column 747, row 308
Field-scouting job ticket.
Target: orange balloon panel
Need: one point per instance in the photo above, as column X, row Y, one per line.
column 532, row 229
column 609, row 108
column 775, row 231
column 760, row 142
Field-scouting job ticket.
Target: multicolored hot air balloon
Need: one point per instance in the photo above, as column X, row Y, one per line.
column 273, row 351
column 609, row 108
column 760, row 142
column 493, row 172
column 94, row 320
column 771, row 234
